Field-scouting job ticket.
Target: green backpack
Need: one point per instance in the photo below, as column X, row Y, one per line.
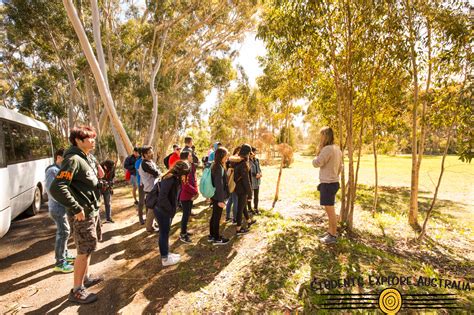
column 206, row 187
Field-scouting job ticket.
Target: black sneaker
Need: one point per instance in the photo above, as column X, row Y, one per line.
column 109, row 221
column 210, row 239
column 185, row 238
column 81, row 296
column 220, row 241
column 256, row 212
column 242, row 231
column 249, row 224
column 234, row 222
column 91, row 281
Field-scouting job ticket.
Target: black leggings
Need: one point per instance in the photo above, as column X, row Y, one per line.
column 215, row 220
column 187, row 206
column 255, row 201
column 242, row 209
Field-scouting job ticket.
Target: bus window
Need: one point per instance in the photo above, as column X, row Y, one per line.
column 3, row 161
column 9, row 153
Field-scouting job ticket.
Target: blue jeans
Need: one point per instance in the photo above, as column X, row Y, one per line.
column 164, row 221
column 233, row 200
column 62, row 235
column 108, row 210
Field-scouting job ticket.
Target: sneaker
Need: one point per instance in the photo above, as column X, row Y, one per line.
column 210, row 239
column 249, row 224
column 256, row 212
column 228, row 220
column 323, row 235
column 242, row 231
column 234, row 222
column 185, row 238
column 64, row 268
column 193, row 214
column 174, row 255
column 82, row 296
column 109, row 221
column 70, row 259
column 91, row 281
column 220, row 241
column 170, row 260
column 328, row 239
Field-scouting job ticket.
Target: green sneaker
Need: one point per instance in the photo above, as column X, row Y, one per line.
column 65, row 268
column 70, row 259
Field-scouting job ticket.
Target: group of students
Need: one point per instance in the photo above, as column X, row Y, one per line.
column 163, row 194
column 76, row 181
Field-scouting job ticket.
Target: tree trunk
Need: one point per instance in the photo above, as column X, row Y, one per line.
column 154, row 93
column 277, row 192
column 374, row 143
column 425, row 102
column 99, row 78
column 413, row 213
column 91, row 103
column 435, row 196
column 103, row 68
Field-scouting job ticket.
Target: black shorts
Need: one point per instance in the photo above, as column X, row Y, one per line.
column 327, row 193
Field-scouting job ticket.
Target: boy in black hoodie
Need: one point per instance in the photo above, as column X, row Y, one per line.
column 76, row 187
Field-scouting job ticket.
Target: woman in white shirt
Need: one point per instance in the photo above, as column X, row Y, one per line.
column 329, row 161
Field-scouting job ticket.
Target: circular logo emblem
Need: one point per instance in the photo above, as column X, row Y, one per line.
column 390, row 301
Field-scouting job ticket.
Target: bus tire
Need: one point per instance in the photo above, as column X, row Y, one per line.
column 36, row 204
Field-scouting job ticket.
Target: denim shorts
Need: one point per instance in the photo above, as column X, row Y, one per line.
column 327, row 193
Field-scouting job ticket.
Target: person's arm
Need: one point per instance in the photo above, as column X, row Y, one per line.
column 128, row 163
column 147, row 167
column 163, row 200
column 322, row 158
column 50, row 175
column 60, row 187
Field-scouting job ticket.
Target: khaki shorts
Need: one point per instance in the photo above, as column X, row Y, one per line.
column 87, row 234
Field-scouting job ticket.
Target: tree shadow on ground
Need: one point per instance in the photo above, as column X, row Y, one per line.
column 159, row 284
column 396, row 201
column 294, row 258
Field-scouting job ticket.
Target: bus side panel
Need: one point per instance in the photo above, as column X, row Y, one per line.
column 5, row 220
column 5, row 210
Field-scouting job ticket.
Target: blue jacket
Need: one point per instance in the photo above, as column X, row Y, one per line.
column 53, row 206
column 137, row 167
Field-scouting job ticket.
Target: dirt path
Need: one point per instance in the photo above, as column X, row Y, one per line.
column 128, row 258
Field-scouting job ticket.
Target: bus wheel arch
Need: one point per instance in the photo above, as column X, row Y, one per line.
column 37, row 201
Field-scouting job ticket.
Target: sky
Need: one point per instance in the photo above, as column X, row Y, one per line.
column 249, row 50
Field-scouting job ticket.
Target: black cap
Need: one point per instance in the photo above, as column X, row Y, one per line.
column 245, row 150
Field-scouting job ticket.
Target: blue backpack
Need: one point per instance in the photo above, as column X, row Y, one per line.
column 206, row 187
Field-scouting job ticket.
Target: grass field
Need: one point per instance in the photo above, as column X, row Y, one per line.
column 380, row 245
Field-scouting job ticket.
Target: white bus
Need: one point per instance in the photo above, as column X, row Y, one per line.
column 25, row 152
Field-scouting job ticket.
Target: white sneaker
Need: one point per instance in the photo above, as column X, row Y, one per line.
column 174, row 255
column 171, row 260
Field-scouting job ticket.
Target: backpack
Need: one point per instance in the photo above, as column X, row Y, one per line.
column 206, row 187
column 230, row 180
column 152, row 197
column 166, row 161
